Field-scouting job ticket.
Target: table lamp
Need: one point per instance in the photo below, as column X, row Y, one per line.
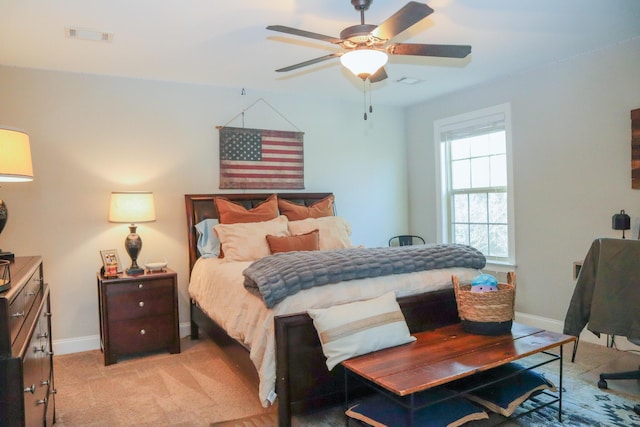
column 15, row 166
column 132, row 207
column 621, row 221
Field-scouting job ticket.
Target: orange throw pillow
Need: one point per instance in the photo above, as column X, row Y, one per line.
column 296, row 212
column 233, row 213
column 302, row 242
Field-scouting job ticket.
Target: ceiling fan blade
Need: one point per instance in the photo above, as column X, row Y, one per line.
column 303, row 33
column 404, row 18
column 441, row 50
column 309, row 62
column 378, row 76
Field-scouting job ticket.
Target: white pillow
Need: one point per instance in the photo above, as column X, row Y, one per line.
column 247, row 241
column 349, row 330
column 334, row 231
column 208, row 243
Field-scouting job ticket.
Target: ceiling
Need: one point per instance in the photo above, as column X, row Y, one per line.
column 225, row 43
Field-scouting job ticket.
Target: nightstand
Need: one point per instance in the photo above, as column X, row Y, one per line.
column 138, row 314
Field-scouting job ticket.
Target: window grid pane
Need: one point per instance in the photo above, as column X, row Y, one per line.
column 476, row 177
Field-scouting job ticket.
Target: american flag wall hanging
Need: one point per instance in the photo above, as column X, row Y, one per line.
column 261, row 159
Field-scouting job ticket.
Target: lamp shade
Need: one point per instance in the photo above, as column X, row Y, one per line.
column 15, row 156
column 364, row 62
column 132, row 207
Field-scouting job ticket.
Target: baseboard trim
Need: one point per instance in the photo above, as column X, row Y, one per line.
column 92, row 342
column 557, row 326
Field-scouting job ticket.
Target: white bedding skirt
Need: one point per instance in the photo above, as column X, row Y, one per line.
column 218, row 288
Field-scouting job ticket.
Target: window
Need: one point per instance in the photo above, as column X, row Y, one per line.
column 476, row 190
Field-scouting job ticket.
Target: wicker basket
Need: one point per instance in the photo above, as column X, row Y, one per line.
column 486, row 313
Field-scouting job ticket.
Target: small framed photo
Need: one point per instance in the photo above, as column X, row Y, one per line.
column 111, row 263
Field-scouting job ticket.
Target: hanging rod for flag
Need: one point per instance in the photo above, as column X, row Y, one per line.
column 249, row 107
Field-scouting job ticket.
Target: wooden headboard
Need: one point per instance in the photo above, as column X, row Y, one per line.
column 201, row 206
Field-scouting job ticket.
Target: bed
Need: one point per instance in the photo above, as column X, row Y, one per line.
column 301, row 379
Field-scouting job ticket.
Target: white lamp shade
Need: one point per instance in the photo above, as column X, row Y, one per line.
column 15, row 156
column 364, row 62
column 132, row 207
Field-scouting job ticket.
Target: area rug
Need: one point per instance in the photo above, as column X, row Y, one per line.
column 260, row 420
column 583, row 405
column 600, row 409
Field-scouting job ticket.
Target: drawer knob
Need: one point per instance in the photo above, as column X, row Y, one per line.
column 45, row 335
column 140, row 286
column 141, row 303
column 45, row 382
column 31, row 294
column 20, row 314
column 31, row 389
column 41, row 402
column 142, row 332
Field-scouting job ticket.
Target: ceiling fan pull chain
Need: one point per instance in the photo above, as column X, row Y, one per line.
column 364, row 97
column 370, row 95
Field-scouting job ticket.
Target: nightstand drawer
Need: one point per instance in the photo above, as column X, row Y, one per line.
column 133, row 336
column 149, row 301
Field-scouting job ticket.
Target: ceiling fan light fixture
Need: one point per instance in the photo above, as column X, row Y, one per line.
column 364, row 62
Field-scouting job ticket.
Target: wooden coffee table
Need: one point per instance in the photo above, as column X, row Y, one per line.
column 449, row 353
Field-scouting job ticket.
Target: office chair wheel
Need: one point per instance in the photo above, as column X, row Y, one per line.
column 602, row 384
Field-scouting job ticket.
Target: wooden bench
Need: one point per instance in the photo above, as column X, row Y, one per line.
column 447, row 354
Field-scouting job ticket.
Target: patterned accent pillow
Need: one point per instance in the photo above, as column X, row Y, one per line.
column 334, row 231
column 232, row 213
column 247, row 241
column 303, row 242
column 296, row 212
column 360, row 327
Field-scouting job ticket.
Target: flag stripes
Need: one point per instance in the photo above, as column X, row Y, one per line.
column 261, row 159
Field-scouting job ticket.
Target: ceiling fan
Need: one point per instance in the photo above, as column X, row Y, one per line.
column 367, row 46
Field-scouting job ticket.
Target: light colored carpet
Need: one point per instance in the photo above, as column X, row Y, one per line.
column 205, row 385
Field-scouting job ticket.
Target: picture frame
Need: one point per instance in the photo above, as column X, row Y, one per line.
column 111, row 265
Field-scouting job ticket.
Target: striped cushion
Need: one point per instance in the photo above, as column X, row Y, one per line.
column 349, row 330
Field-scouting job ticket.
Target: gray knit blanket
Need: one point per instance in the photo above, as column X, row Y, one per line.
column 277, row 276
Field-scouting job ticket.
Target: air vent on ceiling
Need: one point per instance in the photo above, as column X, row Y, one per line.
column 408, row 81
column 91, row 35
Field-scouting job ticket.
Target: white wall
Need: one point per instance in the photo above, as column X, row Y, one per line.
column 91, row 135
column 572, row 164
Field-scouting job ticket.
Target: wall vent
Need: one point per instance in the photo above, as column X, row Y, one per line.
column 90, row 35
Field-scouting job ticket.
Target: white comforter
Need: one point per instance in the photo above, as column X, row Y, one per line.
column 218, row 288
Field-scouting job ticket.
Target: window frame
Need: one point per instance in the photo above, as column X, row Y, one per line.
column 443, row 209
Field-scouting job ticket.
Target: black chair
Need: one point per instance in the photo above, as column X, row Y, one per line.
column 627, row 375
column 406, row 240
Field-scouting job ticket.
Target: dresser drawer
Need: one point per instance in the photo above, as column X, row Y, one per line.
column 20, row 307
column 129, row 301
column 137, row 335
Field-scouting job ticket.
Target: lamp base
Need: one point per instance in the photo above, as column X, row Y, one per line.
column 135, row 271
column 7, row 256
column 4, row 286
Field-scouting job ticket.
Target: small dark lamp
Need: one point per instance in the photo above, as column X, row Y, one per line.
column 621, row 221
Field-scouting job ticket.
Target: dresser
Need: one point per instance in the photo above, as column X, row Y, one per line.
column 26, row 359
column 138, row 314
